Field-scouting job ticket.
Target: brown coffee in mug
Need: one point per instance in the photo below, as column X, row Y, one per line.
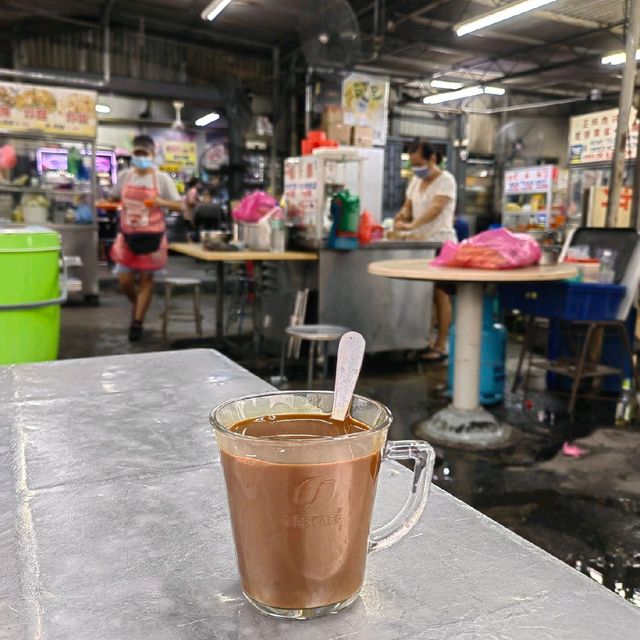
column 301, row 531
column 301, row 490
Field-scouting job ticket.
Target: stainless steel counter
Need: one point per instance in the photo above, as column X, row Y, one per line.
column 114, row 526
column 391, row 314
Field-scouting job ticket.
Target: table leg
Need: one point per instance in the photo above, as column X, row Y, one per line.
column 220, row 300
column 466, row 379
column 257, row 306
column 465, row 422
column 310, row 366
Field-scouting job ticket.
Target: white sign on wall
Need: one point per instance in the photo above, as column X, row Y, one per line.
column 592, row 136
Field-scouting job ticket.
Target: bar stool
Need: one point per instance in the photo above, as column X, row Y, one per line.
column 168, row 313
column 314, row 334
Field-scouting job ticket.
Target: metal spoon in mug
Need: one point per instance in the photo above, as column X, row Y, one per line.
column 350, row 356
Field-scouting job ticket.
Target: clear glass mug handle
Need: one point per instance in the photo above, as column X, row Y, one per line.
column 424, row 458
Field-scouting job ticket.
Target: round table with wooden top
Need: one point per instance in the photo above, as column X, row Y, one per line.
column 465, row 422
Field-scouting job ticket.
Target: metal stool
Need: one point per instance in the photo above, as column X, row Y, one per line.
column 315, row 333
column 169, row 284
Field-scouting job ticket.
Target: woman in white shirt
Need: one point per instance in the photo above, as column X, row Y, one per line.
column 428, row 215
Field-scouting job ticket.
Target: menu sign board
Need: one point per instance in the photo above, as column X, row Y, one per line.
column 529, row 179
column 592, row 136
column 180, row 152
column 364, row 102
column 27, row 108
column 301, row 188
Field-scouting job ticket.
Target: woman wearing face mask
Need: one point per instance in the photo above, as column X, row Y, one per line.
column 141, row 246
column 428, row 215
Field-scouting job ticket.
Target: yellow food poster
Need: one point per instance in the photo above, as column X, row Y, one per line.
column 37, row 109
column 180, row 152
column 364, row 103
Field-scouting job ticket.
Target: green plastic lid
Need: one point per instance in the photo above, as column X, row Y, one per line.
column 28, row 239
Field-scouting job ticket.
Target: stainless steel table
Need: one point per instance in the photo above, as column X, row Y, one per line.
column 113, row 525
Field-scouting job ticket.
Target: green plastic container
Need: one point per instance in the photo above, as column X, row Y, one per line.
column 30, row 295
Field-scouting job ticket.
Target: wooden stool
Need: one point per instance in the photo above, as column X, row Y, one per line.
column 167, row 314
column 316, row 333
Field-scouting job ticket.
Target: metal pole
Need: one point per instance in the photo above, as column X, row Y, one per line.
column 624, row 110
column 308, row 100
column 275, row 109
column 634, row 219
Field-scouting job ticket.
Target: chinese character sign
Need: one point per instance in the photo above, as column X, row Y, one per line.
column 180, row 152
column 30, row 108
column 529, row 180
column 592, row 137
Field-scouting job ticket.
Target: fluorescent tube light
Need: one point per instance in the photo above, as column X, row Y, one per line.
column 499, row 15
column 214, row 9
column 618, row 58
column 208, row 119
column 467, row 92
column 446, row 84
column 103, row 108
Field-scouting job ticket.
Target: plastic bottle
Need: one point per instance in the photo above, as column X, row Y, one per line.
column 607, row 271
column 626, row 407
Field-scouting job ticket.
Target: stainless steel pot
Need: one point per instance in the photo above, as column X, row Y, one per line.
column 214, row 237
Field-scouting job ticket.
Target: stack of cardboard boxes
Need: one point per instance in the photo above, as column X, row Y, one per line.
column 335, row 128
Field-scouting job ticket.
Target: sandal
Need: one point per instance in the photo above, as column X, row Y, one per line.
column 573, row 451
column 433, row 355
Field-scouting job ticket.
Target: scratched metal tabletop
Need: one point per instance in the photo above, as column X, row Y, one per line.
column 114, row 525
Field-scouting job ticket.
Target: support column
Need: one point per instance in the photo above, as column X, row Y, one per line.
column 624, row 110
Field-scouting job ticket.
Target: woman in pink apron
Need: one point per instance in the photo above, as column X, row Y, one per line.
column 141, row 246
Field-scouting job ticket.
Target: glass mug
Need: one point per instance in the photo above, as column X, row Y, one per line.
column 301, row 507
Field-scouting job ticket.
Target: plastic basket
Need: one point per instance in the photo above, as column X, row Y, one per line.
column 564, row 300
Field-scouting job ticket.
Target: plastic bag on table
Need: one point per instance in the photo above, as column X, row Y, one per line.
column 253, row 207
column 493, row 249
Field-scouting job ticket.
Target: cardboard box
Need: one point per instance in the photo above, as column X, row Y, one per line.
column 332, row 114
column 339, row 132
column 362, row 137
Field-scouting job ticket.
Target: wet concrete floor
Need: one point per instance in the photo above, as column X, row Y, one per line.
column 585, row 512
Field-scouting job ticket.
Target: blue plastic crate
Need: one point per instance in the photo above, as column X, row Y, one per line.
column 564, row 300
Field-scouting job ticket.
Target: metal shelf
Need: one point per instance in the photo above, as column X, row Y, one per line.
column 57, row 192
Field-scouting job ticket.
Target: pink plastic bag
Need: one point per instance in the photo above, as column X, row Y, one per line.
column 253, row 207
column 494, row 249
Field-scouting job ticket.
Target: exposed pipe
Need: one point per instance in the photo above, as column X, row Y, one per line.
column 40, row 76
column 489, row 112
column 106, row 54
column 624, row 112
column 521, row 107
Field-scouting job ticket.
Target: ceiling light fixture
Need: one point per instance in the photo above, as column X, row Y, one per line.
column 214, row 9
column 446, row 84
column 499, row 15
column 618, row 58
column 208, row 119
column 103, row 108
column 467, row 92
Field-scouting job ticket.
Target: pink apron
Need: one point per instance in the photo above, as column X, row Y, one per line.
column 136, row 217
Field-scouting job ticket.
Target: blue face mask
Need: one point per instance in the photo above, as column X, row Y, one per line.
column 141, row 162
column 421, row 172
